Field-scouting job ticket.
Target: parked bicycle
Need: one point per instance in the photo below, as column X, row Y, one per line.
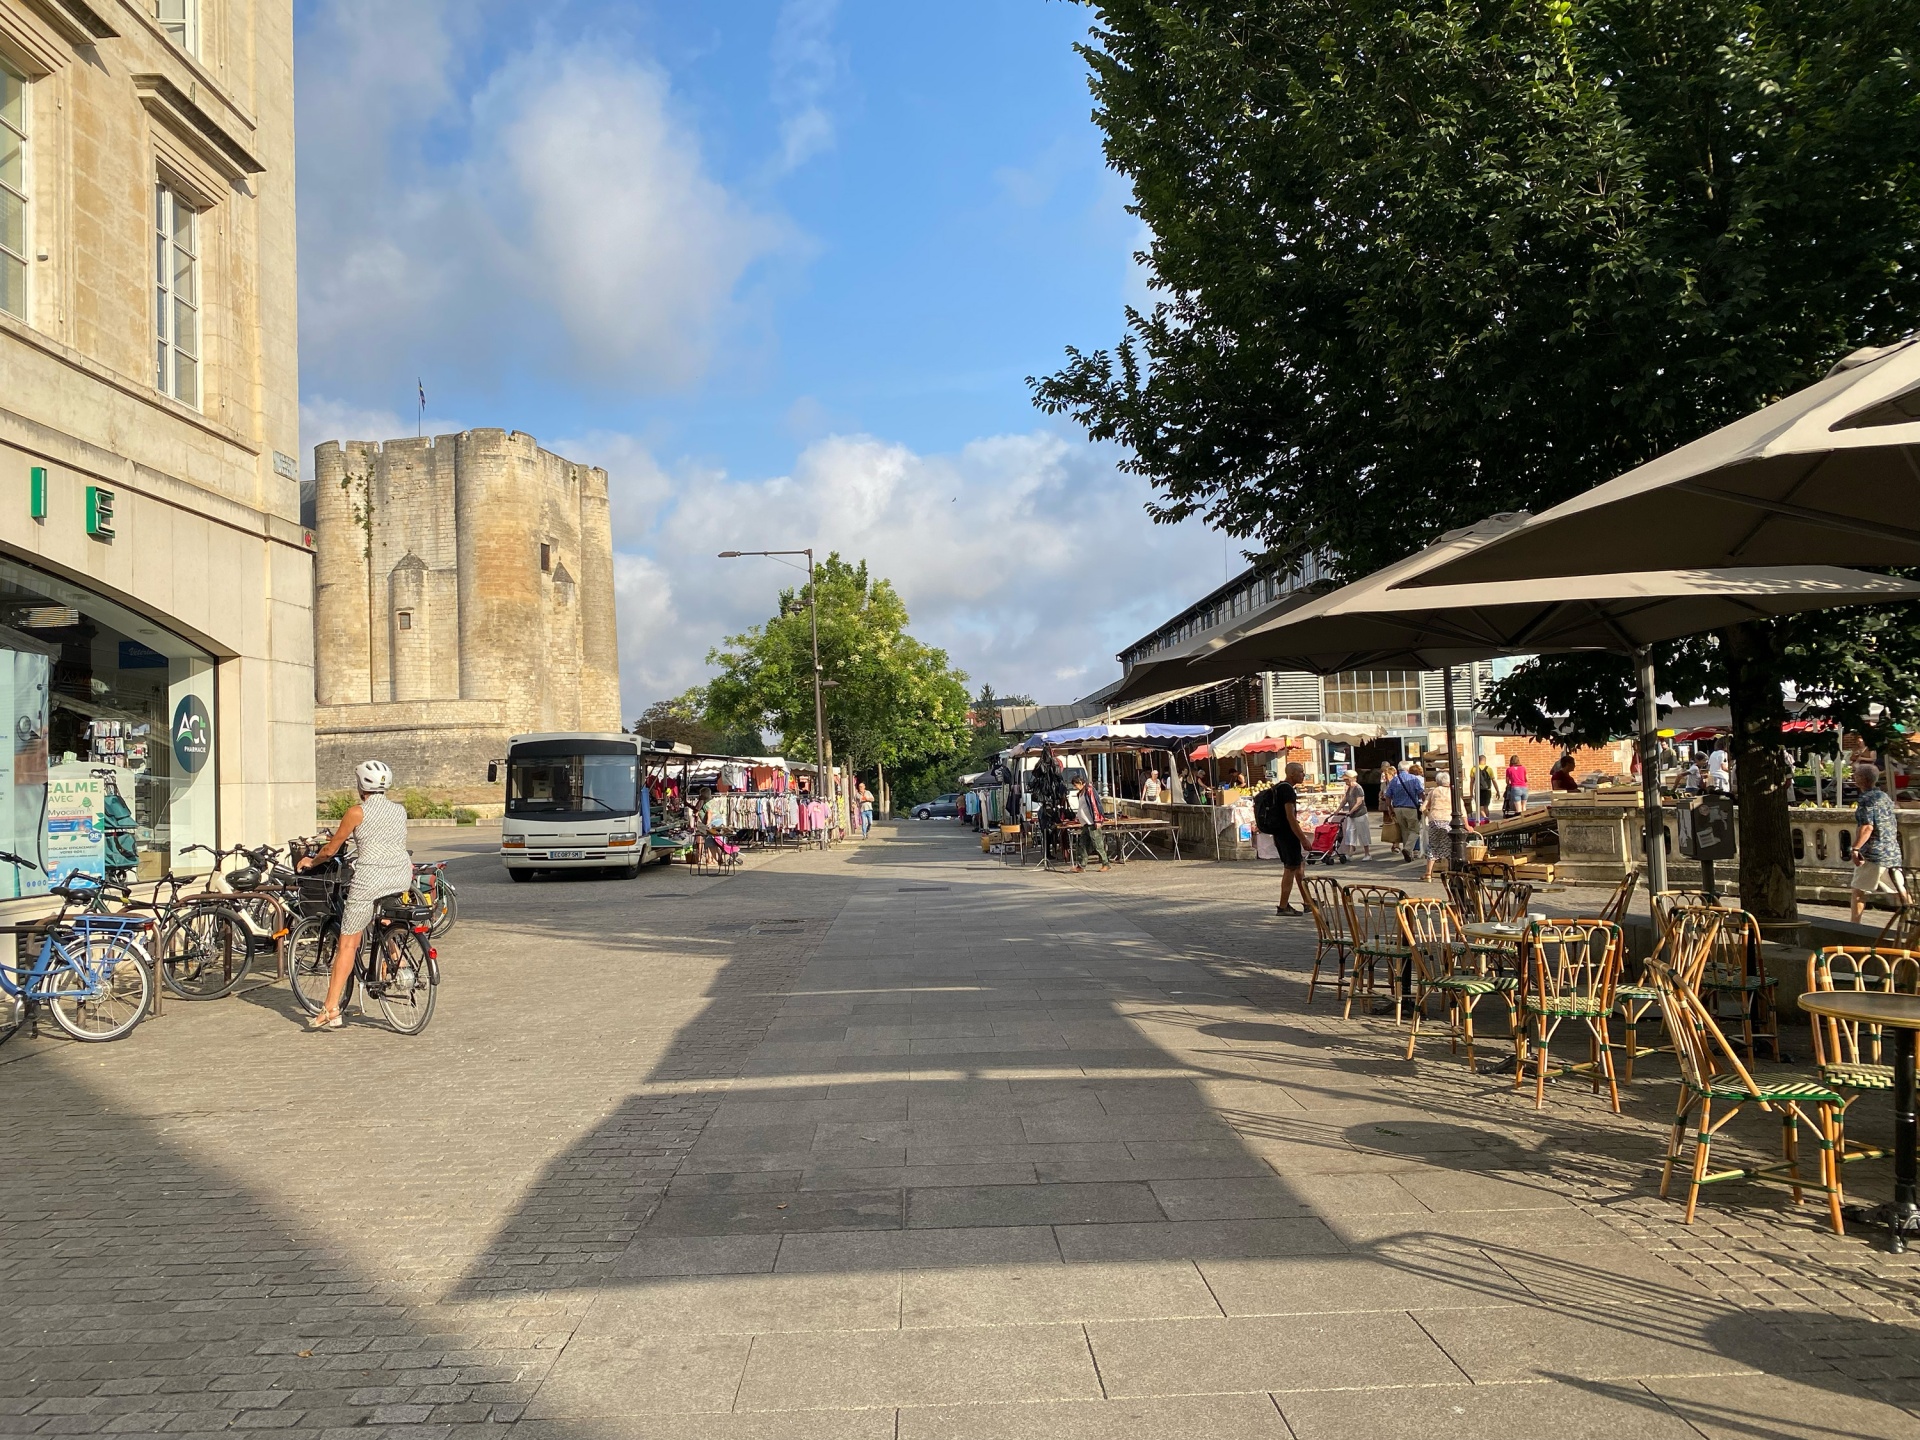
column 431, row 885
column 92, row 973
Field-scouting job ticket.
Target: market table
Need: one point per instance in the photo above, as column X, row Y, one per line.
column 1133, row 835
column 1901, row 1015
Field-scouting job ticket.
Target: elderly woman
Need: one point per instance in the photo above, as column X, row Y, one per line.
column 1437, row 810
column 381, row 868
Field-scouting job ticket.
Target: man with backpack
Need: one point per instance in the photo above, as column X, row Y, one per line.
column 1406, row 793
column 1276, row 811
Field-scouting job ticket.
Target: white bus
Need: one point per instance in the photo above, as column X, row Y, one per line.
column 574, row 802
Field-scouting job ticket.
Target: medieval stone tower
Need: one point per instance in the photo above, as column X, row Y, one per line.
column 486, row 610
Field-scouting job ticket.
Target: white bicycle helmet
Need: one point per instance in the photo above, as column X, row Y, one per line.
column 374, row 777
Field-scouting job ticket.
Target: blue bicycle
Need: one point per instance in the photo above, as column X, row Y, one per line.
column 92, row 973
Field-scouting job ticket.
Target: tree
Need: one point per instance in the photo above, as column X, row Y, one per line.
column 1420, row 264
column 683, row 720
column 985, row 741
column 892, row 700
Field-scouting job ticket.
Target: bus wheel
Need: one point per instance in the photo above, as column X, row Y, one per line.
column 520, row 877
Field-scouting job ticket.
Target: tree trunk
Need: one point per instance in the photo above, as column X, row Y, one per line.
column 1764, row 779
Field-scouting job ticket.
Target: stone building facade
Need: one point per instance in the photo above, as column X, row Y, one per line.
column 153, row 568
column 464, row 594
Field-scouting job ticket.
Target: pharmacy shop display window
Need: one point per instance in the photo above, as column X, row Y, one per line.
column 112, row 767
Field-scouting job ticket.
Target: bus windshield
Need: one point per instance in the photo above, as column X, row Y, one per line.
column 573, row 787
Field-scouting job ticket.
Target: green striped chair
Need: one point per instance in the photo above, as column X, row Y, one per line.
column 1373, row 921
column 1735, row 976
column 1568, row 971
column 1442, row 965
column 1849, row 1055
column 1686, row 937
column 1331, row 937
column 1712, row 1079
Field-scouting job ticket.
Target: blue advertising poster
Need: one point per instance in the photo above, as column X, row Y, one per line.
column 76, row 822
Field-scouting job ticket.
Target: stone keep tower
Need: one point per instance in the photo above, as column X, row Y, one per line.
column 486, row 611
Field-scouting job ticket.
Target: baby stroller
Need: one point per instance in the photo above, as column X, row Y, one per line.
column 1325, row 845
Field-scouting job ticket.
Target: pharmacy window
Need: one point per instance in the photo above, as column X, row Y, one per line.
column 13, row 191
column 181, row 20
column 176, row 297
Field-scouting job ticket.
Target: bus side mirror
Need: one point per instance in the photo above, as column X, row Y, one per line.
column 493, row 771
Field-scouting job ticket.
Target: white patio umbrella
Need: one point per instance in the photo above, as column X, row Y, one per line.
column 1385, row 621
column 1828, row 476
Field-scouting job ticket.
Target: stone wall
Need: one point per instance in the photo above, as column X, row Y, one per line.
column 1598, row 841
column 487, row 597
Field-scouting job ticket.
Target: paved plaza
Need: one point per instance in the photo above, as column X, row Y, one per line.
column 894, row 1142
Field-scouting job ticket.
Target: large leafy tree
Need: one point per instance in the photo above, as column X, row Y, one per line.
column 683, row 719
column 892, row 700
column 1420, row 263
column 985, row 740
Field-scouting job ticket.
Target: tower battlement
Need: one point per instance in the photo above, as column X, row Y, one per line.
column 463, row 594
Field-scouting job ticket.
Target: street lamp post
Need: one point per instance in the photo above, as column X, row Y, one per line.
column 821, row 787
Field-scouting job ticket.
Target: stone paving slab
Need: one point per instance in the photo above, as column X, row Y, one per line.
column 966, row 1151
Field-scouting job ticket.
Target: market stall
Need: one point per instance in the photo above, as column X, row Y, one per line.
column 1132, row 824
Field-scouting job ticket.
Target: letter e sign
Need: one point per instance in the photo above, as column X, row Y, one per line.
column 99, row 513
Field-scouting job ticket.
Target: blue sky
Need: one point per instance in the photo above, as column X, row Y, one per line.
column 782, row 266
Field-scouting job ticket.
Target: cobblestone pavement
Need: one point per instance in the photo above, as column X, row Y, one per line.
column 892, row 1142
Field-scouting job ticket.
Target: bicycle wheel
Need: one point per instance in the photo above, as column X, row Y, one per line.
column 446, row 907
column 408, row 980
column 310, row 950
column 105, row 993
column 204, row 952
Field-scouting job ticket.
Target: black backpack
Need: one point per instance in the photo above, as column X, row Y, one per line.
column 1267, row 812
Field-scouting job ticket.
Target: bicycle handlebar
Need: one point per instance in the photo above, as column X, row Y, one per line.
column 7, row 857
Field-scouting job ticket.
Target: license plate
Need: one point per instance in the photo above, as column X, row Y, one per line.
column 567, row 855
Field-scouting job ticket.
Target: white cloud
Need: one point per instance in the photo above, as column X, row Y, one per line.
column 1026, row 557
column 805, row 67
column 558, row 216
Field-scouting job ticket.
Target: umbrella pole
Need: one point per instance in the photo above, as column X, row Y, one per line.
column 1655, row 826
column 1457, row 838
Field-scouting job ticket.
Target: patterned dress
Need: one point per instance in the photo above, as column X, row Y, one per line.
column 382, row 865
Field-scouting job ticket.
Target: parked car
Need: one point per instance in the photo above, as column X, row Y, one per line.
column 941, row 807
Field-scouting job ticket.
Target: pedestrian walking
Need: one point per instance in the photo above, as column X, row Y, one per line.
column 1086, row 809
column 382, row 868
column 1485, row 789
column 1150, row 791
column 1876, row 842
column 1356, row 826
column 1277, row 813
column 1404, row 793
column 865, row 797
column 1436, row 807
column 1516, row 796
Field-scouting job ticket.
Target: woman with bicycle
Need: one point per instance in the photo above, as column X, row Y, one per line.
column 382, row 867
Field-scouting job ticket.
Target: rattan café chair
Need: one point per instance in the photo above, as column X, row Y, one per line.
column 1373, row 921
column 1331, row 936
column 1711, row 1074
column 1848, row 1054
column 1736, row 973
column 1568, row 970
column 1442, row 965
column 1683, row 946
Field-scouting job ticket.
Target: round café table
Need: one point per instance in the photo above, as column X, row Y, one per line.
column 1901, row 1015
